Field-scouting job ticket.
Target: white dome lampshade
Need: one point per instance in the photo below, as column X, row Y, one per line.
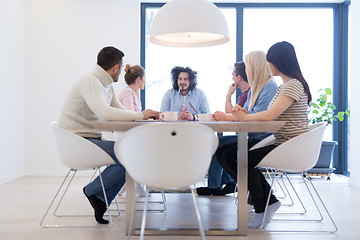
column 189, row 23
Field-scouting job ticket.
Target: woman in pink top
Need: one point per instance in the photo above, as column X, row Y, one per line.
column 130, row 95
column 130, row 99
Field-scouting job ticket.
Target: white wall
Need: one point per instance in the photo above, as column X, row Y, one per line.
column 12, row 68
column 354, row 93
column 63, row 39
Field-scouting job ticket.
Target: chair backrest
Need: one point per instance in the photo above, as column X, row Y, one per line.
column 167, row 155
column 299, row 153
column 271, row 139
column 266, row 141
column 78, row 153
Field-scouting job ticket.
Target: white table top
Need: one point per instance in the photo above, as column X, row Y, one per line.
column 264, row 126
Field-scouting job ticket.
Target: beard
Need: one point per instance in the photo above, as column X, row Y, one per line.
column 183, row 88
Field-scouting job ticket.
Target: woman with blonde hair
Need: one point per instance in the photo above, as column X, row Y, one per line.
column 258, row 76
column 130, row 98
column 262, row 90
column 290, row 104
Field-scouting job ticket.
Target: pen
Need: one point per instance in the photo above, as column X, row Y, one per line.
column 194, row 110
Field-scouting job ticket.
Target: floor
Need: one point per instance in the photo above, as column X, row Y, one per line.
column 24, row 201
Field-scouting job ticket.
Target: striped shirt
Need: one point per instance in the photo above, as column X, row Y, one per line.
column 295, row 116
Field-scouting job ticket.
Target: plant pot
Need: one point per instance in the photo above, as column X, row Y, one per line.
column 322, row 167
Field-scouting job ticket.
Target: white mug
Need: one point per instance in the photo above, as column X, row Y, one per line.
column 206, row 117
column 169, row 116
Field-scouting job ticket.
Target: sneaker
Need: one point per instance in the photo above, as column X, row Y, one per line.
column 229, row 188
column 98, row 206
column 205, row 191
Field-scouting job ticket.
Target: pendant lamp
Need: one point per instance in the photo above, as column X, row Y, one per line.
column 189, row 23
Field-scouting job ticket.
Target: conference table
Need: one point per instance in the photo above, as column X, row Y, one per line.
column 242, row 129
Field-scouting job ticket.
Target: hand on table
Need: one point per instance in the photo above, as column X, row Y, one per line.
column 238, row 112
column 221, row 116
column 185, row 115
column 148, row 113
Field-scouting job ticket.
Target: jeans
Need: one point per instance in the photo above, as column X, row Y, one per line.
column 216, row 175
column 113, row 176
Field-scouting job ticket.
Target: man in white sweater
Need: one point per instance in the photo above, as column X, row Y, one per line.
column 91, row 98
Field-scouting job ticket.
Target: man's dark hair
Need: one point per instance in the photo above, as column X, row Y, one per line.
column 109, row 57
column 240, row 70
column 175, row 74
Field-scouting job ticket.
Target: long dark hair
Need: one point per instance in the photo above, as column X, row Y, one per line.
column 282, row 55
column 175, row 74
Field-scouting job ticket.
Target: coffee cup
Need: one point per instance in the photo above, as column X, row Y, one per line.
column 206, row 117
column 169, row 116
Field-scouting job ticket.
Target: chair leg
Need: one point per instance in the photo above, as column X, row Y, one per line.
column 105, row 198
column 62, row 196
column 281, row 188
column 322, row 203
column 117, row 207
column 297, row 195
column 196, row 205
column 267, row 203
column 116, row 201
column 143, row 222
column 78, row 215
column 161, row 202
column 305, row 177
column 291, row 199
column 52, row 202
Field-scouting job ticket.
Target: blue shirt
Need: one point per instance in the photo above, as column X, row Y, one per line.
column 262, row 102
column 264, row 98
column 172, row 101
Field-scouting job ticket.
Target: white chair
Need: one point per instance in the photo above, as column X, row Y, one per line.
column 270, row 173
column 161, row 202
column 298, row 155
column 167, row 155
column 77, row 153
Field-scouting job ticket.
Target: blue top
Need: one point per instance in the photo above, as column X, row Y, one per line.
column 262, row 102
column 264, row 98
column 173, row 100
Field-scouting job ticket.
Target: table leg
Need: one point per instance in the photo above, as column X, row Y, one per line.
column 242, row 182
column 130, row 197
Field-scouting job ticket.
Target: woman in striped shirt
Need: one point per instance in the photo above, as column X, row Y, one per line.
column 290, row 105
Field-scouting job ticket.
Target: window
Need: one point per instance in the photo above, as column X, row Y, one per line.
column 309, row 30
column 317, row 30
column 213, row 64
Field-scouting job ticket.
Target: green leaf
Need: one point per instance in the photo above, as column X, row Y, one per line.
column 314, row 105
column 331, row 106
column 328, row 91
column 323, row 97
column 324, row 110
column 340, row 116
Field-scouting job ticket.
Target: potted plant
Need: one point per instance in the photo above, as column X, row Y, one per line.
column 323, row 110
